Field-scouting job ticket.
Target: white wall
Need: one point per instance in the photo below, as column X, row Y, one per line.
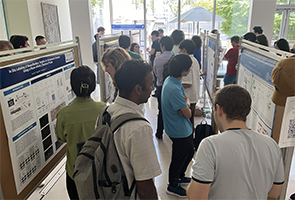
column 81, row 20
column 36, row 18
column 261, row 13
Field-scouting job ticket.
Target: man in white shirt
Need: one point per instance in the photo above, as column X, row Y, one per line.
column 134, row 139
column 191, row 82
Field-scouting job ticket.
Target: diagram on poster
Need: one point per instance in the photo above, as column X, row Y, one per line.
column 255, row 76
column 210, row 66
column 287, row 135
column 31, row 94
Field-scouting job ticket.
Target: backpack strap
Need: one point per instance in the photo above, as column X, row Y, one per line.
column 122, row 119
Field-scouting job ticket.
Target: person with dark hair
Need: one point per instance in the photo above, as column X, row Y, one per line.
column 124, row 42
column 232, row 57
column 214, row 31
column 40, row 40
column 197, row 52
column 135, row 48
column 161, row 33
column 19, row 41
column 134, row 140
column 155, row 46
column 176, row 114
column 166, row 43
column 250, row 36
column 5, row 46
column 178, row 36
column 191, row 82
column 282, row 44
column 100, row 30
column 75, row 122
column 254, row 172
column 261, row 39
column 257, row 30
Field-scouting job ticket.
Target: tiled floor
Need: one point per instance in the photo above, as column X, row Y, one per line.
column 163, row 148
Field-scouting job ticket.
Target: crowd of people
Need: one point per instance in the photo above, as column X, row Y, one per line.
column 231, row 165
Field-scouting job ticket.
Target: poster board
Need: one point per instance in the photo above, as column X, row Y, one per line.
column 29, row 150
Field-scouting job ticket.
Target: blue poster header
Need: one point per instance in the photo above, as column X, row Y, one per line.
column 128, row 26
column 29, row 69
column 257, row 64
column 212, row 44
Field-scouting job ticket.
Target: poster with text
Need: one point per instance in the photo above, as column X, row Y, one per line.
column 287, row 135
column 31, row 93
column 255, row 76
column 210, row 66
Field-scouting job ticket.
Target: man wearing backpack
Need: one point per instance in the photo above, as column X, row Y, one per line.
column 166, row 44
column 134, row 139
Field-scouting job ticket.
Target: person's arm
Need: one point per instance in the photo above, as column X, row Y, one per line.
column 275, row 191
column 151, row 52
column 227, row 55
column 186, row 111
column 146, row 189
column 196, row 190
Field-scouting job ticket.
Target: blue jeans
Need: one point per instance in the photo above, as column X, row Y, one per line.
column 229, row 79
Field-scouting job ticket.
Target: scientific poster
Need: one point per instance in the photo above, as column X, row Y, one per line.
column 31, row 93
column 287, row 135
column 255, row 75
column 210, row 66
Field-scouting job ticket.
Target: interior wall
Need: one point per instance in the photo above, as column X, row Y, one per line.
column 36, row 18
column 81, row 19
column 261, row 13
column 17, row 23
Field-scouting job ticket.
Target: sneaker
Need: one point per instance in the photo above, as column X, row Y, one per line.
column 184, row 180
column 176, row 191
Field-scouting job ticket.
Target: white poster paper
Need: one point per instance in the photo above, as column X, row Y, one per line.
column 287, row 135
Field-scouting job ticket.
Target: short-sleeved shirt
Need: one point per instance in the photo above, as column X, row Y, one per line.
column 232, row 57
column 176, row 49
column 134, row 55
column 75, row 123
column 172, row 100
column 240, row 164
column 134, row 143
column 157, row 47
column 197, row 55
column 159, row 63
column 193, row 78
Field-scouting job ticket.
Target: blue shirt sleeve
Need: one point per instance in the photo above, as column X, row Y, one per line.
column 177, row 99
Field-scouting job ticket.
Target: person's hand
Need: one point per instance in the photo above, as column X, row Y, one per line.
column 147, row 49
column 180, row 113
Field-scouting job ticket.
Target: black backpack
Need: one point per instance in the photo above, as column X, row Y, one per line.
column 98, row 170
column 202, row 131
column 166, row 72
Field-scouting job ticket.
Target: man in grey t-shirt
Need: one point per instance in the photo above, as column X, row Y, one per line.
column 238, row 163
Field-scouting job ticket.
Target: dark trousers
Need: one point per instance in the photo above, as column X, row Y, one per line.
column 71, row 187
column 192, row 119
column 160, row 123
column 182, row 154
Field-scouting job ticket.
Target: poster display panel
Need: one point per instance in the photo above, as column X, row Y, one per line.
column 287, row 135
column 255, row 76
column 31, row 93
column 210, row 66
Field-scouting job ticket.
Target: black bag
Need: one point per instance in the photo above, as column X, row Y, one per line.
column 202, row 131
column 166, row 70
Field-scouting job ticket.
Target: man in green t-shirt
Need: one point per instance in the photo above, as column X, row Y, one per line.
column 125, row 43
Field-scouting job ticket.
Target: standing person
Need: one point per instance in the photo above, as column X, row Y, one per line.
column 75, row 122
column 5, row 46
column 214, row 31
column 257, row 30
column 161, row 33
column 282, row 44
column 19, row 41
column 155, row 46
column 191, row 82
column 197, row 52
column 40, row 40
column 235, row 164
column 250, row 37
column 124, row 42
column 166, row 43
column 178, row 36
column 232, row 57
column 112, row 59
column 176, row 114
column 261, row 39
column 134, row 140
column 100, row 30
column 135, row 48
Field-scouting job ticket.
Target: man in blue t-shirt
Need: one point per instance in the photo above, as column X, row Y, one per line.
column 176, row 113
